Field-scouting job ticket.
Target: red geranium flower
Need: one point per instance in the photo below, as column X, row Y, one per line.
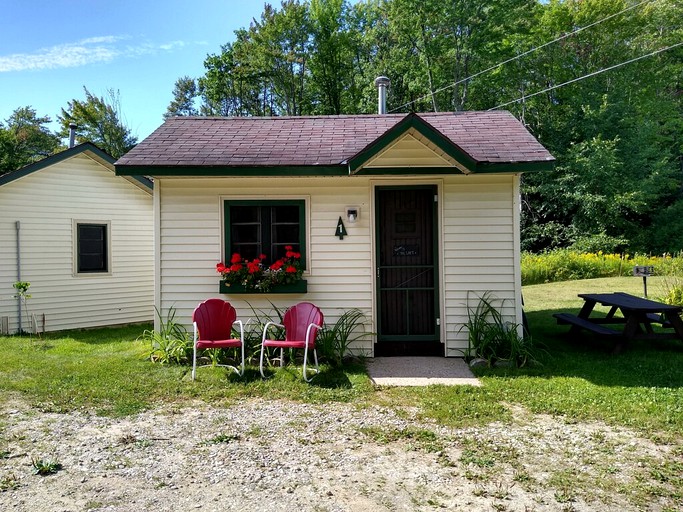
column 263, row 257
column 291, row 269
column 236, row 267
column 236, row 258
column 220, row 268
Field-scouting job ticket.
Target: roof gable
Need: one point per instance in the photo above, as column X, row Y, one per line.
column 410, row 150
column 333, row 145
column 412, row 133
column 88, row 148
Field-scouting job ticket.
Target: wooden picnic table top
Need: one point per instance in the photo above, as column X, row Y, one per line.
column 625, row 301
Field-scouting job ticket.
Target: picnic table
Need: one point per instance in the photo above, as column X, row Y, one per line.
column 635, row 323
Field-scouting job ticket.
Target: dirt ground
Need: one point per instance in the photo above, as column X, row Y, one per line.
column 282, row 456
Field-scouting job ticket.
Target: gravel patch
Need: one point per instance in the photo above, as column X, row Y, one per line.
column 284, row 456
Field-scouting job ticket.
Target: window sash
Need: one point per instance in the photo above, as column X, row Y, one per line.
column 92, row 248
column 261, row 231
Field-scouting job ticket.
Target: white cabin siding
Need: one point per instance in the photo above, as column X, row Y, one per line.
column 46, row 203
column 478, row 240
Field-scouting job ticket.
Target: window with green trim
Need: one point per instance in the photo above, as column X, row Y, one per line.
column 265, row 227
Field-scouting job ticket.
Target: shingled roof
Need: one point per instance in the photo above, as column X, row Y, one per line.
column 479, row 141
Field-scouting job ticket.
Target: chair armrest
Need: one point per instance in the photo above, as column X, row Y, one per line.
column 265, row 329
column 308, row 331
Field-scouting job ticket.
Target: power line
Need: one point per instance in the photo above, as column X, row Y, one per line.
column 572, row 33
column 588, row 75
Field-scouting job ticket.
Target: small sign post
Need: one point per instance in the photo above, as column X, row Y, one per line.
column 643, row 271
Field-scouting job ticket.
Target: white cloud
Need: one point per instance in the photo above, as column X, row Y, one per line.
column 81, row 53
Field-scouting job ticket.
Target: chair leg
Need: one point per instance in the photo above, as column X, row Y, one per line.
column 194, row 361
column 305, row 369
column 263, row 349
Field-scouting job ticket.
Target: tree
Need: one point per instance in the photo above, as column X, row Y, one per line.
column 184, row 94
column 98, row 120
column 25, row 139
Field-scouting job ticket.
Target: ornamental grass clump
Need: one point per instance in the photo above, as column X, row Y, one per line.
column 255, row 275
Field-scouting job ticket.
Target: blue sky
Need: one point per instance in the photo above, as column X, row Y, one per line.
column 50, row 50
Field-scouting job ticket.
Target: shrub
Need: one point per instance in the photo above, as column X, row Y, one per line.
column 333, row 341
column 674, row 293
column 171, row 344
column 565, row 265
column 492, row 338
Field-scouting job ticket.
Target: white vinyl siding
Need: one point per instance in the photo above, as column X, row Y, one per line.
column 477, row 239
column 46, row 203
column 479, row 245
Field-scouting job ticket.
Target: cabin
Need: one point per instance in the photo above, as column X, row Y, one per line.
column 408, row 217
column 82, row 237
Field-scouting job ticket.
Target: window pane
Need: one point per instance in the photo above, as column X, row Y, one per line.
column 245, row 234
column 241, row 214
column 247, row 251
column 285, row 234
column 286, row 214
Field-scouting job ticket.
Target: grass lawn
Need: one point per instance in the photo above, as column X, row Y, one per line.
column 642, row 388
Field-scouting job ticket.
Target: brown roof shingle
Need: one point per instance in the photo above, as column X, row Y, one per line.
column 486, row 137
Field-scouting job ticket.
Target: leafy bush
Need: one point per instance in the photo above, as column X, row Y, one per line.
column 674, row 294
column 492, row 338
column 171, row 344
column 565, row 265
column 333, row 341
column 600, row 243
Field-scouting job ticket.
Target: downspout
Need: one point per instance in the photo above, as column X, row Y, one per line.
column 18, row 224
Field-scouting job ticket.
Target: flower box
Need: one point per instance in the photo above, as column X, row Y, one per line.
column 300, row 286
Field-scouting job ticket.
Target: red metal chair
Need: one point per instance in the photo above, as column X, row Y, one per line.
column 301, row 323
column 213, row 320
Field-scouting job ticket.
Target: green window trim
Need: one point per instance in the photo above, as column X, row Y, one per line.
column 265, row 225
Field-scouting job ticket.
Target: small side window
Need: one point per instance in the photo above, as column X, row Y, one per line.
column 92, row 248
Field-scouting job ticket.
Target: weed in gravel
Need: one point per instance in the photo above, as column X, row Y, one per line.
column 501, row 490
column 9, row 482
column 127, row 439
column 223, row 438
column 418, row 439
column 45, row 467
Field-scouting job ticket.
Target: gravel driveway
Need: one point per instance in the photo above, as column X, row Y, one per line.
column 284, row 456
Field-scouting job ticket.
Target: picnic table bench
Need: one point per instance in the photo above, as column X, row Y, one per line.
column 637, row 317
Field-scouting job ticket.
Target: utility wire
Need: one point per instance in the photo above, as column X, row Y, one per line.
column 572, row 33
column 588, row 75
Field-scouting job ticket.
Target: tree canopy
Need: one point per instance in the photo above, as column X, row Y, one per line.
column 598, row 82
column 617, row 134
column 98, row 119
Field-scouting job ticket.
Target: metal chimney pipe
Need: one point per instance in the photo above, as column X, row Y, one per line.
column 382, row 82
column 72, row 134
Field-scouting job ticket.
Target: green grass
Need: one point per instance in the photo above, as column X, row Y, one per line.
column 104, row 370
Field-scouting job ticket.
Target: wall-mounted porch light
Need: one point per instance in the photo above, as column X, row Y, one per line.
column 352, row 214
